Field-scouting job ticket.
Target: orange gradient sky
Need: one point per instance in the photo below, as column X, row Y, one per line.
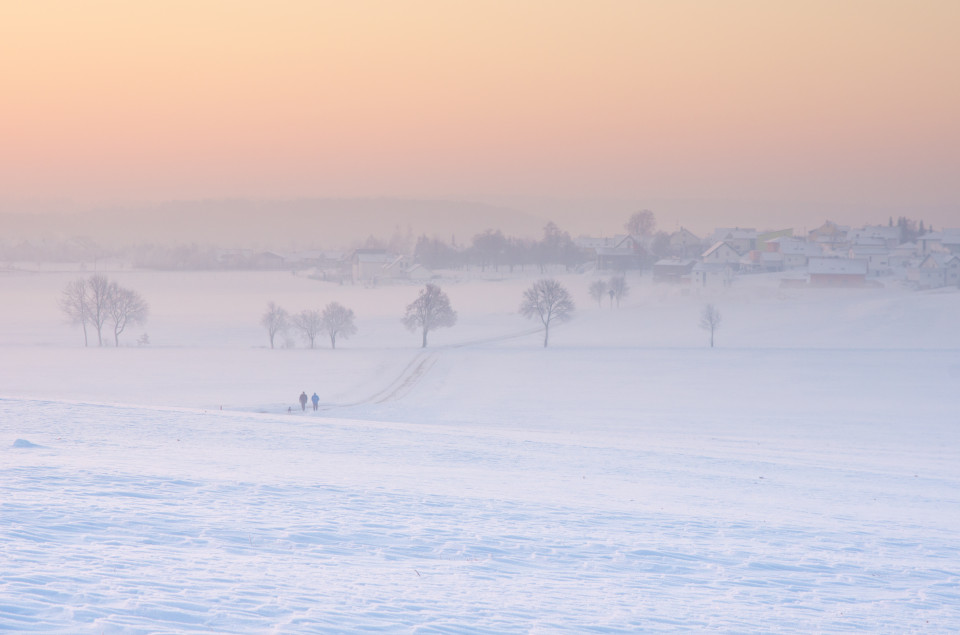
column 853, row 103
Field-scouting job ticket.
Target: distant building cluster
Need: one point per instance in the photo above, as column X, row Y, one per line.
column 831, row 255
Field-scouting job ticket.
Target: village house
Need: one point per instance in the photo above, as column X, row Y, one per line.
column 837, row 272
column 673, row 270
column 875, row 251
column 831, row 237
column 796, row 252
column 625, row 252
column 741, row 240
column 758, row 261
column 721, row 253
column 368, row 264
column 765, row 238
column 935, row 271
column 946, row 241
column 711, row 275
column 888, row 236
column 904, row 256
column 685, row 244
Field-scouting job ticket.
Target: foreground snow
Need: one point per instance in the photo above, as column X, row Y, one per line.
column 486, row 484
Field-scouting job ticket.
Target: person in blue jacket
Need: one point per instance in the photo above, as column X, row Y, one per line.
column 315, row 400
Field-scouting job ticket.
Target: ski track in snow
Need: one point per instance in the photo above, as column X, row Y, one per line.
column 419, row 366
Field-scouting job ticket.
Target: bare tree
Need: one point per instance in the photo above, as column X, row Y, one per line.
column 431, row 310
column 337, row 320
column 598, row 291
column 99, row 291
column 74, row 302
column 641, row 223
column 126, row 306
column 548, row 300
column 710, row 320
column 96, row 300
column 309, row 323
column 275, row 320
column 619, row 289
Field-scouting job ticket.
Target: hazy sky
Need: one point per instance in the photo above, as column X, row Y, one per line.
column 848, row 103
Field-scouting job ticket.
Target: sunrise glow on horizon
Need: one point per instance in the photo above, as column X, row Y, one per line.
column 849, row 102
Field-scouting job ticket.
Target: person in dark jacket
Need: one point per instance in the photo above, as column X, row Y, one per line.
column 303, row 400
column 316, row 400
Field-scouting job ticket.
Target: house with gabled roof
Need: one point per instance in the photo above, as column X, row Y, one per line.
column 742, row 240
column 875, row 251
column 936, row 270
column 673, row 270
column 904, row 256
column 368, row 264
column 837, row 272
column 721, row 253
column 888, row 235
column 685, row 244
column 945, row 240
column 625, row 252
column 706, row 275
column 796, row 252
column 831, row 237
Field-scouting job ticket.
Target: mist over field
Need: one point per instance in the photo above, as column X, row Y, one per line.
column 799, row 476
column 479, row 317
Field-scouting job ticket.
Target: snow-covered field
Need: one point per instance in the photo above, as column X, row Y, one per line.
column 803, row 476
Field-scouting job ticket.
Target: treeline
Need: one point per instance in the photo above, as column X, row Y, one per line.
column 495, row 250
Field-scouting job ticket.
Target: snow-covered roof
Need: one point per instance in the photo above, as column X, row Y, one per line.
column 674, row 262
column 801, row 248
column 949, row 236
column 837, row 266
column 939, row 261
column 717, row 246
column 870, row 250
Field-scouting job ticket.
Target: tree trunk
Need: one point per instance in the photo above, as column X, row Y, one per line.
column 333, row 340
column 424, row 338
column 546, row 335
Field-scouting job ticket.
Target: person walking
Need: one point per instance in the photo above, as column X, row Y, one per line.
column 316, row 401
column 303, row 400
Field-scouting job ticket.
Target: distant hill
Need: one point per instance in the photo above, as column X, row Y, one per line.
column 279, row 224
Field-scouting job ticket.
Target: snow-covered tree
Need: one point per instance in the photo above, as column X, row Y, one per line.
column 431, row 310
column 548, row 300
